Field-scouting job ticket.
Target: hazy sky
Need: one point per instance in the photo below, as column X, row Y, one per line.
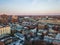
column 30, row 7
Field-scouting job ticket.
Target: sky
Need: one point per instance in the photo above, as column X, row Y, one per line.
column 30, row 7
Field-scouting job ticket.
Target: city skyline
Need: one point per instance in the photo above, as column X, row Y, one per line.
column 30, row 7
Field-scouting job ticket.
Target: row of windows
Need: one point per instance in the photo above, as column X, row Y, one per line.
column 4, row 30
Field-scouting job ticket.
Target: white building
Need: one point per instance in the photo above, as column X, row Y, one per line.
column 5, row 30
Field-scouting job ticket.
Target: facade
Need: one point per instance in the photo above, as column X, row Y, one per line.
column 40, row 26
column 5, row 30
column 14, row 19
column 2, row 43
column 4, row 19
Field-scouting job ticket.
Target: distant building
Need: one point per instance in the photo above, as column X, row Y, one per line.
column 4, row 30
column 2, row 43
column 4, row 19
column 14, row 18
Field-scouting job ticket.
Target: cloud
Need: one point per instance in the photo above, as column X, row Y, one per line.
column 52, row 0
column 34, row 2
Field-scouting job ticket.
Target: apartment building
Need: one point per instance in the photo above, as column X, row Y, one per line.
column 5, row 30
